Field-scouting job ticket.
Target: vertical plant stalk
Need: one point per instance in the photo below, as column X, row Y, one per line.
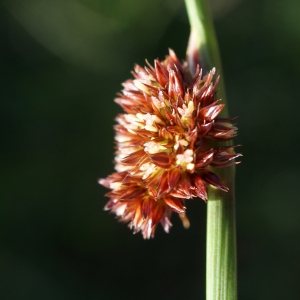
column 221, row 279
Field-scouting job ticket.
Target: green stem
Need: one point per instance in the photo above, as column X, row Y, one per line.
column 203, row 42
column 221, row 279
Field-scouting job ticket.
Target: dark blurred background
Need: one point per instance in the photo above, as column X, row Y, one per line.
column 62, row 62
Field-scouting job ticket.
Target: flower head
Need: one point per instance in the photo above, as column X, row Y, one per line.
column 164, row 144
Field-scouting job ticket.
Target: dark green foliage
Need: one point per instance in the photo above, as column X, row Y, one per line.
column 61, row 68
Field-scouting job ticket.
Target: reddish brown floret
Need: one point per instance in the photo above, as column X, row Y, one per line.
column 166, row 144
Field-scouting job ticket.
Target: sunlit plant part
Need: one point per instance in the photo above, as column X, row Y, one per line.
column 167, row 141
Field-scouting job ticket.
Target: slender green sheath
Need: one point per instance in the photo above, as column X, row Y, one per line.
column 221, row 279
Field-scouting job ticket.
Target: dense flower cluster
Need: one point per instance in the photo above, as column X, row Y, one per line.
column 163, row 144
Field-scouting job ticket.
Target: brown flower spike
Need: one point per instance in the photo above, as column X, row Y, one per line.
column 164, row 144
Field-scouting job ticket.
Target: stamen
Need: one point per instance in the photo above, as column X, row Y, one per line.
column 182, row 142
column 153, row 147
column 149, row 168
column 141, row 85
column 185, row 159
column 158, row 103
column 186, row 111
column 150, row 121
column 132, row 122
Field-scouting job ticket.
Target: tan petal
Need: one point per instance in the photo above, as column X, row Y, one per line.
column 157, row 213
column 209, row 113
column 200, row 188
column 203, row 159
column 213, row 179
column 134, row 158
column 173, row 178
column 134, row 192
column 147, row 207
column 162, row 159
column 175, row 85
column 162, row 187
column 175, row 204
column 161, row 73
